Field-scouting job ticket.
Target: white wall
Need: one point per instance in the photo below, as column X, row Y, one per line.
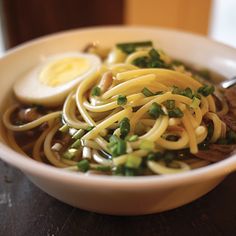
column 223, row 21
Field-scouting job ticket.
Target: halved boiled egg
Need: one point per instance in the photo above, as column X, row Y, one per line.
column 50, row 82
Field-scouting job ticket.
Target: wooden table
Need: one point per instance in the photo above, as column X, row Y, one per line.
column 26, row 210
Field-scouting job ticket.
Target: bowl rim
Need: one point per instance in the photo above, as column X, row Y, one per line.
column 32, row 167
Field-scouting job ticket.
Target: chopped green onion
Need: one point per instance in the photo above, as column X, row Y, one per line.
column 153, row 60
column 113, row 139
column 147, row 145
column 121, row 100
column 206, row 90
column 121, row 147
column 116, row 146
column 132, row 138
column 124, row 126
column 154, row 54
column 79, row 134
column 176, row 113
column 76, row 144
column 89, row 128
column 187, row 93
column 133, row 161
column 141, row 62
column 170, row 104
column 147, row 93
column 103, row 168
column 131, row 47
column 64, row 128
column 176, row 90
column 96, row 91
column 70, row 153
column 195, row 103
column 83, row 165
column 155, row 110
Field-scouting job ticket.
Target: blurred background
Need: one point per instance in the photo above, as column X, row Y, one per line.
column 22, row 20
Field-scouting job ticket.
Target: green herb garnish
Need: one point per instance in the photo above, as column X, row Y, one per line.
column 83, row 165
column 133, row 161
column 184, row 92
column 195, row 103
column 124, row 126
column 147, row 93
column 131, row 47
column 206, row 90
column 188, row 93
column 121, row 100
column 176, row 113
column 89, row 128
column 153, row 60
column 96, row 91
column 155, row 110
column 76, row 144
column 116, row 146
column 64, row 128
column 79, row 134
column 70, row 153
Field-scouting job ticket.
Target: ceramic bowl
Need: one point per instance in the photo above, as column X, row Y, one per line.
column 111, row 194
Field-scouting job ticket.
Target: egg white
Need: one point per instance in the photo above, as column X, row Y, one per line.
column 30, row 90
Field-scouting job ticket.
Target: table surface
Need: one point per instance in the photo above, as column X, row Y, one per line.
column 26, row 210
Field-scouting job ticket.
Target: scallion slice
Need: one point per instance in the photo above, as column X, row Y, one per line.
column 124, row 126
column 121, row 100
column 155, row 110
column 83, row 165
column 206, row 90
column 131, row 47
column 147, row 93
column 96, row 91
column 133, row 161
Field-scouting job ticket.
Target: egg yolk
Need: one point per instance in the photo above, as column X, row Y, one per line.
column 63, row 71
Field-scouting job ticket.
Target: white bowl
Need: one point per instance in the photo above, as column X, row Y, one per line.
column 111, row 194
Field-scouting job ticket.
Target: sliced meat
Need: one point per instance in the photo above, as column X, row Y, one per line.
column 216, row 152
column 230, row 120
column 230, row 95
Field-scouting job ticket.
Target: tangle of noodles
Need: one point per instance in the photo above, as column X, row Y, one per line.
column 142, row 120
